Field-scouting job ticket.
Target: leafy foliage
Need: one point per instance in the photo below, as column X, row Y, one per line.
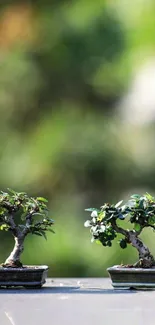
column 140, row 211
column 14, row 204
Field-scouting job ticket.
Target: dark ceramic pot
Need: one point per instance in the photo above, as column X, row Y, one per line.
column 26, row 276
column 128, row 278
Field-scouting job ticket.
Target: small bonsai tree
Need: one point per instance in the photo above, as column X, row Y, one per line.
column 107, row 222
column 32, row 212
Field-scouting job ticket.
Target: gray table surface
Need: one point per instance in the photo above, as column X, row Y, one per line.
column 77, row 302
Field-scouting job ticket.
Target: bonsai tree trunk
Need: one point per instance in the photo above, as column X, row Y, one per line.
column 146, row 259
column 14, row 258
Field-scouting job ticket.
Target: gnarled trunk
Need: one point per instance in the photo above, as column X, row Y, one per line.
column 14, row 258
column 146, row 259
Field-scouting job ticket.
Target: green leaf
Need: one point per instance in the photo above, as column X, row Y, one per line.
column 135, row 196
column 23, row 216
column 123, row 243
column 141, row 204
column 118, row 204
column 149, row 196
column 42, row 199
column 36, row 233
column 31, row 205
column 137, row 227
column 109, row 243
column 22, row 193
column 92, row 209
column 51, row 230
column 151, row 220
column 38, row 214
column 98, row 242
column 51, row 220
column 124, row 207
column 1, row 211
column 11, row 191
column 4, row 227
column 43, row 233
column 87, row 223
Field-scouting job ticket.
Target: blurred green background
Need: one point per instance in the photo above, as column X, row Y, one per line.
column 77, row 119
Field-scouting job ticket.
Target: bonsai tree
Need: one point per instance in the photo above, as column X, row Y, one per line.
column 107, row 222
column 32, row 212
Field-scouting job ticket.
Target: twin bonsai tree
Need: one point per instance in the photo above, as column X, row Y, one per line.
column 107, row 222
column 33, row 216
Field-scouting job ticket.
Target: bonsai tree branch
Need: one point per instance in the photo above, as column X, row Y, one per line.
column 27, row 225
column 13, row 227
column 118, row 229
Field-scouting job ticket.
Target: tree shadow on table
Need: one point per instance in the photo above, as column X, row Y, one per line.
column 66, row 290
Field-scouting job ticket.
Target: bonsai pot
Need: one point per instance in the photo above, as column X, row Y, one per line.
column 26, row 276
column 128, row 278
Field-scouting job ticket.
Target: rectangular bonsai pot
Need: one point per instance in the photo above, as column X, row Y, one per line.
column 26, row 276
column 124, row 277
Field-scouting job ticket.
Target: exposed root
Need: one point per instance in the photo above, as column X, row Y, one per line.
column 143, row 263
column 12, row 264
